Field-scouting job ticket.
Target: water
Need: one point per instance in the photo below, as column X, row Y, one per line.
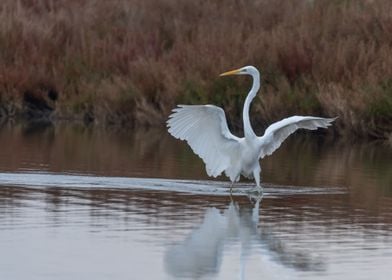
column 84, row 203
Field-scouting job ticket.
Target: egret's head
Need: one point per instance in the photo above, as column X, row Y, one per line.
column 247, row 70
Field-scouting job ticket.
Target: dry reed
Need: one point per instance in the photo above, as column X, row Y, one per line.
column 130, row 61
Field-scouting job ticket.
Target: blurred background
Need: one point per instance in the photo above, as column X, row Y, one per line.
column 128, row 62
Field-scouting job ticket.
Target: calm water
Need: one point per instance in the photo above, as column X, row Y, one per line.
column 83, row 203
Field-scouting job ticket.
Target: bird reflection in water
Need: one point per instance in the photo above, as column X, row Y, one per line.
column 201, row 253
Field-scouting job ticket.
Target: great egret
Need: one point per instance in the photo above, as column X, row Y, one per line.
column 205, row 129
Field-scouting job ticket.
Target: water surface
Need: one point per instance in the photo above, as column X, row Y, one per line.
column 90, row 203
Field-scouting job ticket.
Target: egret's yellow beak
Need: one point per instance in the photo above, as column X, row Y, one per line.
column 232, row 72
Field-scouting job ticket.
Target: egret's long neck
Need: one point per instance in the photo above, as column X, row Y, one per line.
column 248, row 130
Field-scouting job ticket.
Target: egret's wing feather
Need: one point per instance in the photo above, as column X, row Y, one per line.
column 277, row 132
column 205, row 129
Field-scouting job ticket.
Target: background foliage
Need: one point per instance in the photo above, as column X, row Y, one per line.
column 129, row 62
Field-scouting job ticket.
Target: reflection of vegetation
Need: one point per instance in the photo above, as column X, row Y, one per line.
column 306, row 232
column 302, row 160
column 364, row 167
column 108, row 63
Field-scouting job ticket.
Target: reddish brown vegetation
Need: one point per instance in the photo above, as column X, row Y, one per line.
column 130, row 61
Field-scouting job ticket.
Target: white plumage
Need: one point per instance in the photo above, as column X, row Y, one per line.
column 205, row 129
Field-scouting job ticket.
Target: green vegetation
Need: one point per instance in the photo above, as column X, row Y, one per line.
column 129, row 62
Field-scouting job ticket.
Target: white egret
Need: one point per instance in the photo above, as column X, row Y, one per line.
column 205, row 129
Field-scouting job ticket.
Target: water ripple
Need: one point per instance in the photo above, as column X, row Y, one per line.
column 70, row 181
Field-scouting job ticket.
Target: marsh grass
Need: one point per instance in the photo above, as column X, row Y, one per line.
column 129, row 62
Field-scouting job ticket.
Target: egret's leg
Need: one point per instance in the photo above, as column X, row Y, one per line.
column 231, row 187
column 256, row 175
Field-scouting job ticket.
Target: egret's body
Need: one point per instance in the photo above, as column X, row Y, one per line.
column 205, row 129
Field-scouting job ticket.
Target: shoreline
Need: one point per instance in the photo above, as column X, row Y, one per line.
column 38, row 123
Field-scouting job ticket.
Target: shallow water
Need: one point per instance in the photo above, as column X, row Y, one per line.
column 84, row 203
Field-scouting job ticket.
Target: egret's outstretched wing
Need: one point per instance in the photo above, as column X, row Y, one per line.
column 277, row 132
column 205, row 129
